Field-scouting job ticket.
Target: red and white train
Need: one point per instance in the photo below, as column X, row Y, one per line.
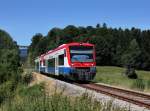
column 74, row 60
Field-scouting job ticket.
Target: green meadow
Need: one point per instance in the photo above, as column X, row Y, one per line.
column 115, row 76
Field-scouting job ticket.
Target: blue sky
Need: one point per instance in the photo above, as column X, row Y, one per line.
column 23, row 18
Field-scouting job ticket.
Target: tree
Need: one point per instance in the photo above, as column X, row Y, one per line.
column 9, row 58
column 132, row 55
column 70, row 32
column 34, row 48
column 98, row 26
column 56, row 35
column 35, row 40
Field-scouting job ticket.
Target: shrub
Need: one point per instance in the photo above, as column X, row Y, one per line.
column 7, row 90
column 130, row 72
column 27, row 78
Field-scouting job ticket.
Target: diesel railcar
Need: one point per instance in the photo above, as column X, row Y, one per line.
column 73, row 60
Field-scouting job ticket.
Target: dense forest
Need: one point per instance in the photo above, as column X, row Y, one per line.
column 114, row 46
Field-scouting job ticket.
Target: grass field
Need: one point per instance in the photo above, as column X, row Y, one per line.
column 115, row 76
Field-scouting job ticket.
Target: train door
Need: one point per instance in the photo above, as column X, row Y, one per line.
column 51, row 65
column 56, row 66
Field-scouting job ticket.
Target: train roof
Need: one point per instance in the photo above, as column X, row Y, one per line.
column 80, row 43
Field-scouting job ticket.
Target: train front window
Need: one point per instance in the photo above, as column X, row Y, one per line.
column 81, row 53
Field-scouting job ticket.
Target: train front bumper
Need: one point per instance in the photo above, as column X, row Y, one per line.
column 83, row 73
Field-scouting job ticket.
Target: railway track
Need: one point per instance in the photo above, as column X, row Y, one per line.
column 137, row 98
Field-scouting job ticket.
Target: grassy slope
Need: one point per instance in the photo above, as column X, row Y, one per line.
column 114, row 76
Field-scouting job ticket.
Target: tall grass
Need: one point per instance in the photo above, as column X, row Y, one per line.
column 148, row 84
column 138, row 84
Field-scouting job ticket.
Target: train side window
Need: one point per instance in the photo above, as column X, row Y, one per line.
column 51, row 62
column 61, row 59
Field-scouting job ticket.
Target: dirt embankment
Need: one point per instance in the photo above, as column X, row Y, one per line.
column 52, row 85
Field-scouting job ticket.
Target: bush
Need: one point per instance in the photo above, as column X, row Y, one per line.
column 27, row 78
column 130, row 73
column 7, row 90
